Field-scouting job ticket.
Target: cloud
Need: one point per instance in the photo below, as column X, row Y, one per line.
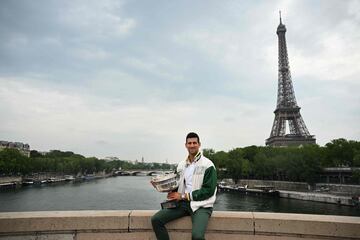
column 96, row 19
column 62, row 37
column 158, row 66
column 79, row 122
column 91, row 53
column 337, row 57
column 128, row 79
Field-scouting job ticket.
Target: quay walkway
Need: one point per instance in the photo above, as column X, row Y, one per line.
column 319, row 197
column 101, row 225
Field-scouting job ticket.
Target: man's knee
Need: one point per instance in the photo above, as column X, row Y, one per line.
column 197, row 236
column 155, row 220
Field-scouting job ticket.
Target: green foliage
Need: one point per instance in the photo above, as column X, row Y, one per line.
column 250, row 152
column 341, row 152
column 356, row 160
column 268, row 163
column 12, row 162
column 234, row 168
column 290, row 163
column 219, row 158
column 356, row 177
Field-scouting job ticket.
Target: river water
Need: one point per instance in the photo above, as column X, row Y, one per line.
column 135, row 192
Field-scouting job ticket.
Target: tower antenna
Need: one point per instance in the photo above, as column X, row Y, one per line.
column 280, row 17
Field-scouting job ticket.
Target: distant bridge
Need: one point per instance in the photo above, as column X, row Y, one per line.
column 139, row 172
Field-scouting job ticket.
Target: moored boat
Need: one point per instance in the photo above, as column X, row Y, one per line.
column 28, row 181
column 89, row 177
column 69, row 178
column 8, row 185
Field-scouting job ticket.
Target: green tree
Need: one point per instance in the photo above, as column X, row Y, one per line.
column 356, row 160
column 245, row 168
column 250, row 152
column 340, row 152
column 356, row 176
column 234, row 169
column 259, row 167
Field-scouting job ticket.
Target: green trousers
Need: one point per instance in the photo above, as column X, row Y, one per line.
column 199, row 220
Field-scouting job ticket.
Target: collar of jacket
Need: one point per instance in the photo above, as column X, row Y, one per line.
column 196, row 158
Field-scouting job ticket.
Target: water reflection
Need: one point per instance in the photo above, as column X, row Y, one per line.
column 238, row 202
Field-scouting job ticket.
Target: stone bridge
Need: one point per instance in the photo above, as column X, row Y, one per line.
column 112, row 225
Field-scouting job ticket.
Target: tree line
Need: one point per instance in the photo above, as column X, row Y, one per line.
column 252, row 162
column 12, row 162
column 286, row 163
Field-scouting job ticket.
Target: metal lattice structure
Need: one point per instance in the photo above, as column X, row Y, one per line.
column 287, row 110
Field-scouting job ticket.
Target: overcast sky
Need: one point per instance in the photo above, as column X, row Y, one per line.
column 132, row 78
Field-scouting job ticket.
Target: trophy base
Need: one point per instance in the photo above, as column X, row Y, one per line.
column 169, row 204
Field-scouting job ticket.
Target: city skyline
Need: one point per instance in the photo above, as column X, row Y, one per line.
column 131, row 79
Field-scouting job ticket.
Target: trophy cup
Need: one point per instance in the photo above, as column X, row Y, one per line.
column 166, row 183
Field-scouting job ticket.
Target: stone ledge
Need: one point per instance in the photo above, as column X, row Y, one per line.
column 136, row 225
column 220, row 221
column 55, row 221
column 307, row 224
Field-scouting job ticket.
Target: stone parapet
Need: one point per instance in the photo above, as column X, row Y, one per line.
column 76, row 225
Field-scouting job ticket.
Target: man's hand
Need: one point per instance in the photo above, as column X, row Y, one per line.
column 174, row 196
column 152, row 183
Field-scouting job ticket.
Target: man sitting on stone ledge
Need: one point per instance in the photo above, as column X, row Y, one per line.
column 196, row 193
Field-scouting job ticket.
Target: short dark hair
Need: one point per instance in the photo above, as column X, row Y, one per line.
column 192, row 135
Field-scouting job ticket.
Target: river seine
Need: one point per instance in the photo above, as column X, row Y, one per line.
column 135, row 192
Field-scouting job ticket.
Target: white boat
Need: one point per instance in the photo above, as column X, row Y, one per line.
column 55, row 180
column 69, row 178
column 51, row 180
column 28, row 182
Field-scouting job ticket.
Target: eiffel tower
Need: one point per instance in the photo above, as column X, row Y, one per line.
column 287, row 110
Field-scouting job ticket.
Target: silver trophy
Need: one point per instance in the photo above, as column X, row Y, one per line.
column 166, row 183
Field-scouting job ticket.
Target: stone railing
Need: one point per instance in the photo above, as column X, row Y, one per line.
column 101, row 225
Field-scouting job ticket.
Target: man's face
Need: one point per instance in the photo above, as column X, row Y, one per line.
column 192, row 145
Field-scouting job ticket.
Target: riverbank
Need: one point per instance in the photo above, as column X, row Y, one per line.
column 11, row 182
column 319, row 193
column 320, row 197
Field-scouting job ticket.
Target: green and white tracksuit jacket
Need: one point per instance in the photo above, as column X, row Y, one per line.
column 204, row 181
